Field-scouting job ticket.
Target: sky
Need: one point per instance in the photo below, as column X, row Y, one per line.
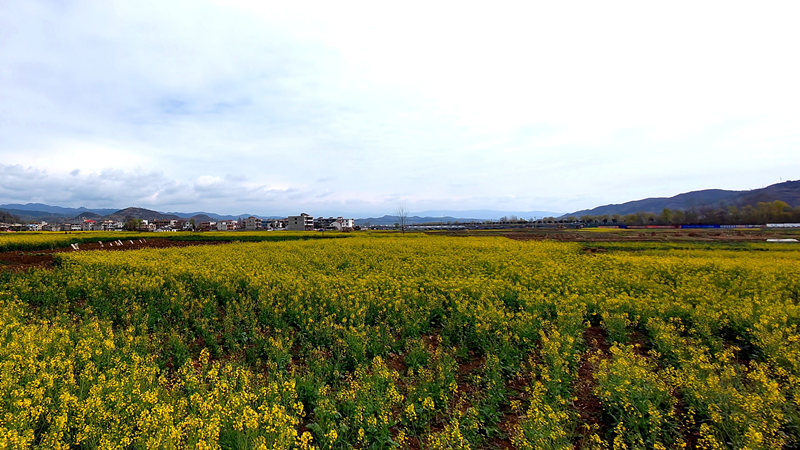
column 359, row 108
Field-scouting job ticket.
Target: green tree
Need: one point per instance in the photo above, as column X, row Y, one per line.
column 665, row 218
column 133, row 224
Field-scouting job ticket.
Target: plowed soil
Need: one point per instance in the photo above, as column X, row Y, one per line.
column 587, row 404
column 23, row 260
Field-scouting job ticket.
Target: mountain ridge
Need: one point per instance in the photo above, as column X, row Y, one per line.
column 39, row 211
column 787, row 191
column 133, row 212
column 56, row 210
column 33, row 212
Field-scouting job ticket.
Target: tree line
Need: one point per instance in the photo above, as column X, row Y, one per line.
column 763, row 212
column 7, row 217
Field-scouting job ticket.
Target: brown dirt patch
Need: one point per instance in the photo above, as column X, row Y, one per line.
column 18, row 261
column 596, row 338
column 396, row 362
column 689, row 430
column 472, row 364
column 640, row 344
column 500, row 443
column 516, row 392
column 644, row 235
column 24, row 260
column 588, row 404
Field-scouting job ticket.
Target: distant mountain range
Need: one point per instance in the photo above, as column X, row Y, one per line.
column 41, row 208
column 788, row 191
column 38, row 211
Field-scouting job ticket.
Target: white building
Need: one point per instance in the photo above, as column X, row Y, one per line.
column 89, row 225
column 342, row 224
column 112, row 225
column 37, row 226
column 226, row 225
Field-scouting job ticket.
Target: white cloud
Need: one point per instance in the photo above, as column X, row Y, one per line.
column 265, row 105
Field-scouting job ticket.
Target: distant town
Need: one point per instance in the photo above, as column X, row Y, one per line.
column 302, row 222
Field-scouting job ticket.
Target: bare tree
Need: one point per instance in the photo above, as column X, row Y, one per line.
column 402, row 218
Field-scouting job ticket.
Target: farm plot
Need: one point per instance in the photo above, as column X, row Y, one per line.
column 404, row 341
column 45, row 240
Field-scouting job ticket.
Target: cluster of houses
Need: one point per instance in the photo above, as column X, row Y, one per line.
column 86, row 225
column 302, row 222
column 305, row 222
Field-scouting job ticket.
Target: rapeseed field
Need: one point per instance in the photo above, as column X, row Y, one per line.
column 404, row 341
column 58, row 239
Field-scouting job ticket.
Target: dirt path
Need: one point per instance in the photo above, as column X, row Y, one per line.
column 588, row 404
column 680, row 235
column 19, row 260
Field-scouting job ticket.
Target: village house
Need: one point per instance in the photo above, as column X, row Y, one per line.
column 252, row 223
column 112, row 225
column 341, row 224
column 330, row 223
column 303, row 222
column 273, row 224
column 13, row 227
column 322, row 223
column 36, row 226
column 167, row 224
column 226, row 225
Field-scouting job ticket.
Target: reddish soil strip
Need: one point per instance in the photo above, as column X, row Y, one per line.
column 501, row 442
column 464, row 381
column 396, row 362
column 471, row 366
column 14, row 261
column 511, row 419
column 690, row 431
column 640, row 345
column 698, row 235
column 23, row 260
column 468, row 391
column 588, row 404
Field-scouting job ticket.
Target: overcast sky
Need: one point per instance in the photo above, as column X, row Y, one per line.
column 357, row 108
